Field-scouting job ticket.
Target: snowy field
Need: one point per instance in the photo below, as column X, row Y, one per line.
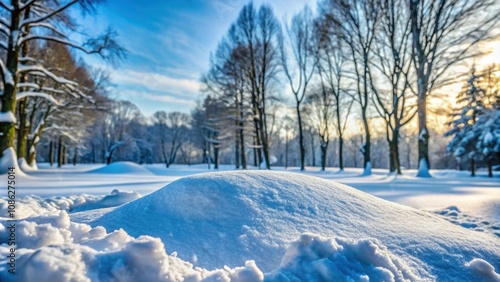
column 126, row 222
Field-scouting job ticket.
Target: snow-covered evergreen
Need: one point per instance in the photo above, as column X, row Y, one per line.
column 475, row 124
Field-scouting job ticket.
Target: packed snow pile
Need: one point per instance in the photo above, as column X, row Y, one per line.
column 313, row 258
column 52, row 248
column 34, row 205
column 484, row 270
column 23, row 164
column 227, row 218
column 122, row 168
column 7, row 162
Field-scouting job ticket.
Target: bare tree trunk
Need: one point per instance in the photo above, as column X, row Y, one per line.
column 258, row 145
column 340, row 133
column 302, row 146
column 255, row 152
column 367, row 146
column 109, row 156
column 163, row 153
column 286, row 151
column 216, row 157
column 313, row 152
column 8, row 99
column 422, row 81
column 265, row 147
column 23, row 128
column 423, row 135
column 208, row 154
column 51, row 153
column 392, row 165
column 173, row 153
column 397, row 161
column 237, row 150
column 355, row 159
column 241, row 125
column 237, row 145
column 22, row 133
column 75, row 156
column 64, row 156
column 324, row 150
column 31, row 153
column 392, row 150
column 93, row 154
column 341, row 152
column 60, row 153
column 490, row 169
column 366, row 150
column 243, row 147
column 408, row 155
column 472, row 167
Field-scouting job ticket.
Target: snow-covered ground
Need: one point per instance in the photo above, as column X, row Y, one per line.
column 247, row 226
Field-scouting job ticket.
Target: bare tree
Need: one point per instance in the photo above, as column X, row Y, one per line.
column 332, row 72
column 257, row 31
column 173, row 132
column 115, row 128
column 40, row 96
column 444, row 33
column 395, row 103
column 226, row 80
column 300, row 35
column 355, row 22
column 321, row 106
column 287, row 123
column 37, row 20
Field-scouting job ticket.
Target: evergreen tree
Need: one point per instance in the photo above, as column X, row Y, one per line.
column 487, row 127
column 470, row 106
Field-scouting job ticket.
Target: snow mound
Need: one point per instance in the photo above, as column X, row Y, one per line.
column 33, row 205
column 116, row 198
column 122, row 168
column 227, row 218
column 8, row 160
column 23, row 164
column 52, row 248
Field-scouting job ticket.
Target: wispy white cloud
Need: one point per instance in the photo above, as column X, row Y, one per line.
column 157, row 82
column 167, row 99
column 151, row 102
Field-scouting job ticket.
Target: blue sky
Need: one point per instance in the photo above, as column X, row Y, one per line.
column 169, row 44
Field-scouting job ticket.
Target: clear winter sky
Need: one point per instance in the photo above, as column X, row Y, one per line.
column 169, row 44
